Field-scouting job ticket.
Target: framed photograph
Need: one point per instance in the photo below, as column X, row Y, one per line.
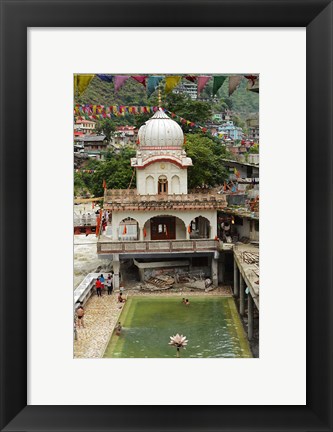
column 156, row 93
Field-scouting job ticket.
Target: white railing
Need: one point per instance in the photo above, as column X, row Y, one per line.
column 157, row 246
column 84, row 219
column 84, row 290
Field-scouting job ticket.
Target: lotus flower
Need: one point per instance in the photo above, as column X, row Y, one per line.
column 178, row 341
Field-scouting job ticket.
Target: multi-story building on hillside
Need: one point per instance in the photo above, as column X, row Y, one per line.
column 85, row 126
column 189, row 89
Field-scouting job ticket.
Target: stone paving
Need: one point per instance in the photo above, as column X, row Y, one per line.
column 102, row 313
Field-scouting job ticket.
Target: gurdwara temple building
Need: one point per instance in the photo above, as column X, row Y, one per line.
column 159, row 224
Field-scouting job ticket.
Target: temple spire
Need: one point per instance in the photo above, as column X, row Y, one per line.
column 159, row 98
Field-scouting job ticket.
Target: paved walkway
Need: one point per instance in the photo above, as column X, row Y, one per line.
column 102, row 313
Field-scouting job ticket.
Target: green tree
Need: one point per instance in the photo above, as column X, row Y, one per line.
column 106, row 127
column 80, row 187
column 194, row 111
column 116, row 170
column 207, row 157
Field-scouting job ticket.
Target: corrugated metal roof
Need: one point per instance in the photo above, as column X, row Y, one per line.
column 93, row 138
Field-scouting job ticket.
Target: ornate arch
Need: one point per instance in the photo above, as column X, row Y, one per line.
column 150, row 185
column 161, row 215
column 175, row 184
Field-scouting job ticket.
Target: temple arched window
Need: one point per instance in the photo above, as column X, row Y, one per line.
column 162, row 185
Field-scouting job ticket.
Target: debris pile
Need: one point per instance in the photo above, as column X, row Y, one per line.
column 157, row 283
column 191, row 280
column 250, row 257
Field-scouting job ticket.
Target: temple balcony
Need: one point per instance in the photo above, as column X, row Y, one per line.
column 156, row 246
column 130, row 200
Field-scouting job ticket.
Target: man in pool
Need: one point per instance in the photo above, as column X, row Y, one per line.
column 187, row 302
column 118, row 329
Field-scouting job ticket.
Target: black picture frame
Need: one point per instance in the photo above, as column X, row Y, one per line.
column 16, row 17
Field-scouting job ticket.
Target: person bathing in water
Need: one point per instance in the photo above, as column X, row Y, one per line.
column 118, row 329
column 187, row 302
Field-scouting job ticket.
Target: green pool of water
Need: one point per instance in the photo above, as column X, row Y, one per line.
column 211, row 325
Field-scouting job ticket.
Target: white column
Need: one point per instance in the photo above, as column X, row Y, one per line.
column 141, row 233
column 215, row 279
column 241, row 295
column 213, row 229
column 236, row 279
column 142, row 274
column 114, row 225
column 249, row 316
column 116, row 269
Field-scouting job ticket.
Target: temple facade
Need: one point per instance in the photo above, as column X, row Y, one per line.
column 160, row 220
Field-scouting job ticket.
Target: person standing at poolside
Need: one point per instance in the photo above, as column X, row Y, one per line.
column 98, row 288
column 80, row 315
column 102, row 279
column 109, row 284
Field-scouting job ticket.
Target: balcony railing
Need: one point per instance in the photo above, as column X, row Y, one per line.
column 131, row 200
column 153, row 246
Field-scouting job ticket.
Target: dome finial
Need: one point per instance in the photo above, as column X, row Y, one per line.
column 159, row 98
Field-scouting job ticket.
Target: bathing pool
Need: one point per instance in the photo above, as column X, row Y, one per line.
column 210, row 323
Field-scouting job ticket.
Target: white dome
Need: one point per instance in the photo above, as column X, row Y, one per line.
column 161, row 131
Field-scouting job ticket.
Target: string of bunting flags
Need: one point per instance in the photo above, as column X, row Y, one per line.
column 185, row 122
column 152, row 82
column 95, row 112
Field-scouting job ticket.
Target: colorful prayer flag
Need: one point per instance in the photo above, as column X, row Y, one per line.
column 124, row 230
column 251, row 78
column 140, row 78
column 234, row 82
column 171, row 82
column 202, row 81
column 81, row 82
column 105, row 77
column 153, row 82
column 119, row 81
column 217, row 84
column 191, row 78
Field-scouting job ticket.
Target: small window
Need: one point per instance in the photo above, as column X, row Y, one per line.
column 162, row 185
column 256, row 225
